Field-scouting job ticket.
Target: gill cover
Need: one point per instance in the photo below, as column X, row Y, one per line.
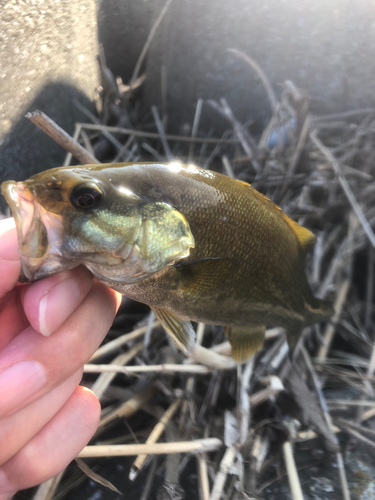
column 162, row 237
column 165, row 236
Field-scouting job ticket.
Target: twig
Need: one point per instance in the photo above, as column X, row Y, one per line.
column 124, row 148
column 203, row 477
column 165, row 368
column 368, row 414
column 271, row 125
column 131, row 406
column 342, row 474
column 197, row 116
column 153, row 438
column 47, row 490
column 345, row 186
column 344, row 114
column 247, row 142
column 87, row 143
column 369, row 286
column 327, row 416
column 147, row 44
column 77, row 131
column 311, row 413
column 150, row 322
column 164, row 95
column 258, row 397
column 154, row 135
column 355, row 433
column 94, row 476
column 150, row 478
column 162, row 137
column 100, row 385
column 258, row 451
column 331, row 327
column 221, row 476
column 190, row 384
column 369, row 373
column 120, row 341
column 296, row 155
column 126, row 450
column 244, row 400
column 172, row 462
column 334, row 265
column 153, row 151
column 291, row 469
column 344, row 403
column 106, row 134
column 227, row 166
column 210, row 358
column 61, row 137
column 355, row 426
column 270, row 93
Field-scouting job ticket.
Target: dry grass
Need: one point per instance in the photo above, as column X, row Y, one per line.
column 320, row 170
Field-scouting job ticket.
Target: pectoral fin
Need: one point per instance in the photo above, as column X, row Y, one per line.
column 181, row 331
column 245, row 341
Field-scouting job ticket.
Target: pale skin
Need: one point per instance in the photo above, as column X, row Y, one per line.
column 48, row 330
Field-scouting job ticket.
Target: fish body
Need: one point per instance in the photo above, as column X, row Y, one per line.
column 191, row 243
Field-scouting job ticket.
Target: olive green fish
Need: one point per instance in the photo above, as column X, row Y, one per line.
column 191, row 243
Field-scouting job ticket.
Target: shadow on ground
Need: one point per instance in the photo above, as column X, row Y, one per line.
column 26, row 150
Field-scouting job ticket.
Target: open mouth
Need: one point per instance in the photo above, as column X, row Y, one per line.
column 21, row 204
column 32, row 233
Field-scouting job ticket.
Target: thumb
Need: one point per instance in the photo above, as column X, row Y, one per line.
column 10, row 264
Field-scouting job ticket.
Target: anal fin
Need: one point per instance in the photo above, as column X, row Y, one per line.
column 245, row 341
column 180, row 330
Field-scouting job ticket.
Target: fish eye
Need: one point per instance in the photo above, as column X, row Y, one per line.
column 85, row 196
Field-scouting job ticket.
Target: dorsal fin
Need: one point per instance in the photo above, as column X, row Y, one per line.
column 306, row 238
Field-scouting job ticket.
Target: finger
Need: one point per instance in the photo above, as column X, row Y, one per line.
column 46, row 303
column 12, row 319
column 55, row 446
column 10, row 264
column 32, row 365
column 49, row 302
column 19, row 428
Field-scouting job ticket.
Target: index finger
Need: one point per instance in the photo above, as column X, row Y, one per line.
column 10, row 264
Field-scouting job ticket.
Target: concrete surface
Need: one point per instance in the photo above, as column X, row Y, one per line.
column 326, row 47
column 48, row 54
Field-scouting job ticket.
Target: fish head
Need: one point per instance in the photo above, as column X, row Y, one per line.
column 79, row 215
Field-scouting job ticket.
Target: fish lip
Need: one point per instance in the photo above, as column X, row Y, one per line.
column 39, row 233
column 22, row 206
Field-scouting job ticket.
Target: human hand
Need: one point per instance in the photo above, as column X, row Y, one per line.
column 48, row 330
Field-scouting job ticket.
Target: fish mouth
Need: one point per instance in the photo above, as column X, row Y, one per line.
column 21, row 203
column 33, row 235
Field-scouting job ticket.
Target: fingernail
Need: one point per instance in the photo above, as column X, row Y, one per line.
column 57, row 305
column 18, row 383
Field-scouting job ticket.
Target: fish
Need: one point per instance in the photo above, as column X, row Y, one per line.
column 193, row 244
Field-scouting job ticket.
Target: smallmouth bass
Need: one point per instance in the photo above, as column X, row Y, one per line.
column 191, row 243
